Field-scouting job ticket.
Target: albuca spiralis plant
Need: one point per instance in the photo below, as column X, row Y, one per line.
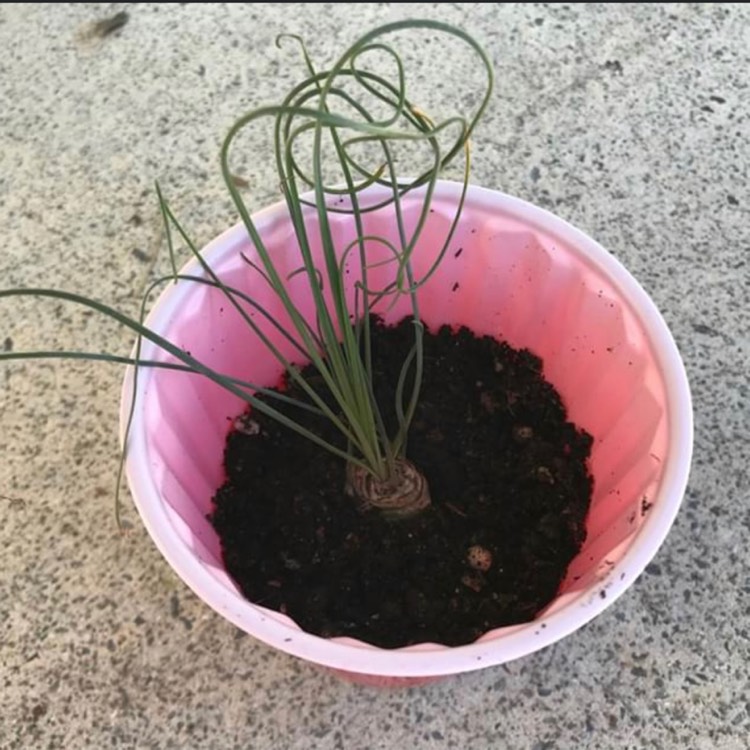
column 355, row 123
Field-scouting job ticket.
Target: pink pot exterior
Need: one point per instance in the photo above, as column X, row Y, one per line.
column 523, row 275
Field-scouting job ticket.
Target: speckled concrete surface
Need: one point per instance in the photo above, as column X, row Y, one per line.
column 630, row 121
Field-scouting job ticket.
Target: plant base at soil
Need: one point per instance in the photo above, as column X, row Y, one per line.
column 510, row 491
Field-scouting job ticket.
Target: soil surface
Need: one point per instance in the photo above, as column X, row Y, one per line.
column 510, row 492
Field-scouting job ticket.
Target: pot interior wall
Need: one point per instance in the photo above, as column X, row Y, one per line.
column 499, row 277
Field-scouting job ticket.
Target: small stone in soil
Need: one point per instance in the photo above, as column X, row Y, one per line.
column 543, row 474
column 479, row 558
column 472, row 581
column 246, row 426
column 523, row 433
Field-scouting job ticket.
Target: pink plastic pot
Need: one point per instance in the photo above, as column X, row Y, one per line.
column 523, row 275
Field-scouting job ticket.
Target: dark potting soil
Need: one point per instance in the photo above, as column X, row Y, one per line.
column 507, row 474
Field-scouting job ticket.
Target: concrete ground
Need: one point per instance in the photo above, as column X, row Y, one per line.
column 630, row 121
